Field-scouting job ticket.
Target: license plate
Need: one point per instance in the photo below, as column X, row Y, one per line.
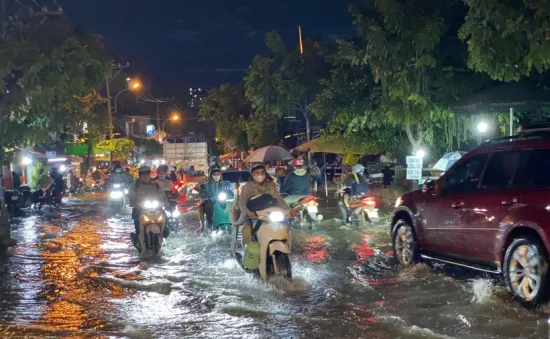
column 373, row 215
column 14, row 198
column 312, row 209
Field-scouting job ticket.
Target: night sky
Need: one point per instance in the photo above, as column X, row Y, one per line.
column 182, row 43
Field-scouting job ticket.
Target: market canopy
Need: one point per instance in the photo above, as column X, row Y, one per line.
column 329, row 145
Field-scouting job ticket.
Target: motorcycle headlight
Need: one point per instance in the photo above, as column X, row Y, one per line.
column 176, row 213
column 116, row 185
column 160, row 218
column 222, row 196
column 276, row 216
column 116, row 194
column 168, row 214
column 151, row 204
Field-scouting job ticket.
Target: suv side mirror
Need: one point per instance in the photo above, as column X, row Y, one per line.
column 428, row 187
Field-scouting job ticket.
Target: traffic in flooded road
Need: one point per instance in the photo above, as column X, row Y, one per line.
column 75, row 274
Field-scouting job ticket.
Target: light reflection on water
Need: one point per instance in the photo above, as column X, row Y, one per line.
column 78, row 277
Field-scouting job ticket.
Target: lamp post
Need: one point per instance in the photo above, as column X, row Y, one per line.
column 133, row 85
column 175, row 117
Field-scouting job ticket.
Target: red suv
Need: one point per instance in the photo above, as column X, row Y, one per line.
column 490, row 211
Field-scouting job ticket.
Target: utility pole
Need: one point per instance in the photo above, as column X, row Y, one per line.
column 158, row 102
column 108, row 79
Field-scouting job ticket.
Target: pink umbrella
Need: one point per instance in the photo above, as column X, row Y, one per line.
column 269, row 153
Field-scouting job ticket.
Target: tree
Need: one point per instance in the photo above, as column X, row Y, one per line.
column 120, row 148
column 414, row 57
column 507, row 39
column 47, row 68
column 229, row 110
column 151, row 147
column 286, row 82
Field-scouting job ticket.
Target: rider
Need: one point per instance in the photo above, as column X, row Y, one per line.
column 118, row 176
column 58, row 184
column 144, row 189
column 357, row 185
column 162, row 179
column 209, row 191
column 173, row 175
column 296, row 184
column 259, row 183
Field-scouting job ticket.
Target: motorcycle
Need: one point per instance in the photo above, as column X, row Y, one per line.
column 220, row 217
column 151, row 226
column 49, row 198
column 268, row 254
column 306, row 210
column 96, row 186
column 118, row 196
column 363, row 209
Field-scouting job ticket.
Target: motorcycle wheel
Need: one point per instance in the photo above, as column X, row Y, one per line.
column 284, row 267
column 155, row 240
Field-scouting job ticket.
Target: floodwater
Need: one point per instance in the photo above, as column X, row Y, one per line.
column 74, row 274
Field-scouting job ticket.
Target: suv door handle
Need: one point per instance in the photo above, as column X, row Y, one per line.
column 457, row 205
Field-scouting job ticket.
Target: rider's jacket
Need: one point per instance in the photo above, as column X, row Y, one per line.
column 296, row 185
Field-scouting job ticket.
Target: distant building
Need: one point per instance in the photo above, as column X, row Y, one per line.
column 196, row 95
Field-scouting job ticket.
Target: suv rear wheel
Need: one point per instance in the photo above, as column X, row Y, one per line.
column 525, row 270
column 404, row 243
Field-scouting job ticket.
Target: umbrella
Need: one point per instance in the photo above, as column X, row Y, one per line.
column 448, row 160
column 269, row 153
column 329, row 145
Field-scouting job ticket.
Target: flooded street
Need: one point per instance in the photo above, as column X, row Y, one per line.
column 74, row 274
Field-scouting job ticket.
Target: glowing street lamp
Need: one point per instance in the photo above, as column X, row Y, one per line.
column 482, row 127
column 421, row 153
column 26, row 161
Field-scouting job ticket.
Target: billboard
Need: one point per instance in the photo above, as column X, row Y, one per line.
column 150, row 131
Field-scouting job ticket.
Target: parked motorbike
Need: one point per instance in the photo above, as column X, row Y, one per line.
column 118, row 196
column 306, row 210
column 268, row 254
column 151, row 226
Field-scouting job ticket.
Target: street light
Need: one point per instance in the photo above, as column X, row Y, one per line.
column 26, row 161
column 421, row 153
column 133, row 85
column 482, row 127
column 175, row 117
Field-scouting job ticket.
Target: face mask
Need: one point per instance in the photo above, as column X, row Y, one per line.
column 216, row 178
column 162, row 176
column 300, row 172
column 118, row 170
column 259, row 178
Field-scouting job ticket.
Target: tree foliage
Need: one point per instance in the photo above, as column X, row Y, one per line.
column 285, row 82
column 49, row 75
column 507, row 39
column 120, row 147
column 228, row 109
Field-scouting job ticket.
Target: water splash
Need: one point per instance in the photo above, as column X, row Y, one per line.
column 482, row 289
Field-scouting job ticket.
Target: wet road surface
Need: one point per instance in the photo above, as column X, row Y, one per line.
column 74, row 274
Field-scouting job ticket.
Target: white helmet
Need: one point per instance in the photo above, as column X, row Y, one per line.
column 358, row 169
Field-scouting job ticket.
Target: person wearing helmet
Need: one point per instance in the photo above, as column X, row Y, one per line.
column 356, row 185
column 259, row 183
column 162, row 179
column 144, row 189
column 119, row 177
column 296, row 185
column 209, row 192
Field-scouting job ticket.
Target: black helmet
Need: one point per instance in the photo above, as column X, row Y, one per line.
column 257, row 167
column 144, row 170
column 214, row 168
column 117, row 165
column 162, row 168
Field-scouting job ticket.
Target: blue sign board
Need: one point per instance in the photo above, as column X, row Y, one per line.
column 150, row 130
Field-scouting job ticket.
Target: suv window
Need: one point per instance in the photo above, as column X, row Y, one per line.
column 500, row 169
column 534, row 169
column 465, row 176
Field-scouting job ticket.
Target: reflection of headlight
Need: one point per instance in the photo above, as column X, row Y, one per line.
column 151, row 204
column 398, row 202
column 176, row 213
column 116, row 185
column 222, row 196
column 116, row 194
column 276, row 216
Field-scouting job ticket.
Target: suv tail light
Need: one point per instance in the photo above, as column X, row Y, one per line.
column 369, row 202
